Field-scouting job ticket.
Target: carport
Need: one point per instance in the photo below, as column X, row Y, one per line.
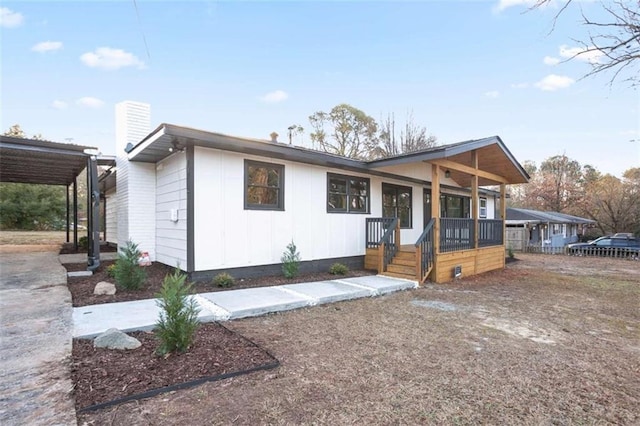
column 34, row 161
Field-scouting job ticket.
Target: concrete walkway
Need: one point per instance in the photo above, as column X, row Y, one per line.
column 89, row 321
column 35, row 336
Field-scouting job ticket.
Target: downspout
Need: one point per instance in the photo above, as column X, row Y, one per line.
column 93, row 214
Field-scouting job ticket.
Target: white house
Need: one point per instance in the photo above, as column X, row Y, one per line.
column 209, row 202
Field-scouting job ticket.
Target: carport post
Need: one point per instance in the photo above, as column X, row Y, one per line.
column 67, row 216
column 75, row 214
column 93, row 214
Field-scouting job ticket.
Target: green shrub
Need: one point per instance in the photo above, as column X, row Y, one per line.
column 223, row 280
column 338, row 269
column 510, row 253
column 127, row 273
column 83, row 243
column 178, row 319
column 290, row 261
column 111, row 270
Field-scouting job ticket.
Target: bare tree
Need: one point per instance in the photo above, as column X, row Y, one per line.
column 411, row 138
column 613, row 44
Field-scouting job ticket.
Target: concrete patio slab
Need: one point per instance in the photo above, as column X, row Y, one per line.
column 329, row 291
column 252, row 302
column 381, row 284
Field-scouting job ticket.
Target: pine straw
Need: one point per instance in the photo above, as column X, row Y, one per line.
column 543, row 342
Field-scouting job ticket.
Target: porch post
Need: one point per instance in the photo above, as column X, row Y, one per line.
column 474, row 197
column 435, row 206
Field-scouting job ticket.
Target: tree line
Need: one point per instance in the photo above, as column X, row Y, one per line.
column 561, row 184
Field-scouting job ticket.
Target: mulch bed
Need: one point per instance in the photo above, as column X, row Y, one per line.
column 82, row 287
column 103, row 375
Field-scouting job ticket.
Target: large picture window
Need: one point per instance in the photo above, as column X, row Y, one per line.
column 263, row 186
column 396, row 202
column 347, row 194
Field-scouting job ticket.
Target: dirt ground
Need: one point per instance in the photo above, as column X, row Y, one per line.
column 550, row 340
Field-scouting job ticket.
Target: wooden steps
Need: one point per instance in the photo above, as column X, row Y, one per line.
column 403, row 265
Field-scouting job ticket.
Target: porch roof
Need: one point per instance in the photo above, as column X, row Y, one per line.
column 493, row 157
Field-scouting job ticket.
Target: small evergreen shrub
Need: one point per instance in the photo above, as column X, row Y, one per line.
column 178, row 319
column 111, row 270
column 338, row 269
column 127, row 273
column 83, row 243
column 290, row 261
column 223, row 280
column 510, row 253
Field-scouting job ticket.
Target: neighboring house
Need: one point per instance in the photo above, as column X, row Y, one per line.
column 208, row 203
column 534, row 228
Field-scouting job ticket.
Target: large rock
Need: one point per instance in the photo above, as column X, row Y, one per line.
column 116, row 339
column 104, row 287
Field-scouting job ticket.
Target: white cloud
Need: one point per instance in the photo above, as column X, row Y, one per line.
column 9, row 18
column 505, row 4
column 107, row 58
column 274, row 97
column 554, row 82
column 47, row 46
column 90, row 102
column 519, row 85
column 59, row 104
column 550, row 60
column 580, row 53
column 492, row 94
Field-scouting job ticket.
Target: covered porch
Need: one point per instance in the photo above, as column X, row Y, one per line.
column 448, row 247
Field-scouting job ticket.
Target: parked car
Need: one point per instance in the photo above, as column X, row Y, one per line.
column 607, row 246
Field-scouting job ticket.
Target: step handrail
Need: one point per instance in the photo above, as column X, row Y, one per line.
column 389, row 243
column 425, row 249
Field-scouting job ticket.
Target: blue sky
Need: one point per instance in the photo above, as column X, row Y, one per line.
column 466, row 69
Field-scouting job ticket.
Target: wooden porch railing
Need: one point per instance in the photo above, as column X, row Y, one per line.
column 490, row 232
column 458, row 234
column 383, row 233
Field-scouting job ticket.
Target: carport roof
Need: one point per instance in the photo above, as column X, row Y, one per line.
column 25, row 160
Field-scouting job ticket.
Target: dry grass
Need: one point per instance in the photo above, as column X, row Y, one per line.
column 551, row 340
column 32, row 237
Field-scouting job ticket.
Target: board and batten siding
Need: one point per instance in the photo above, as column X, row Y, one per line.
column 171, row 196
column 228, row 236
column 111, row 216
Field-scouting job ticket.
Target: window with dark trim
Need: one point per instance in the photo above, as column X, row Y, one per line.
column 396, row 202
column 347, row 194
column 263, row 186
